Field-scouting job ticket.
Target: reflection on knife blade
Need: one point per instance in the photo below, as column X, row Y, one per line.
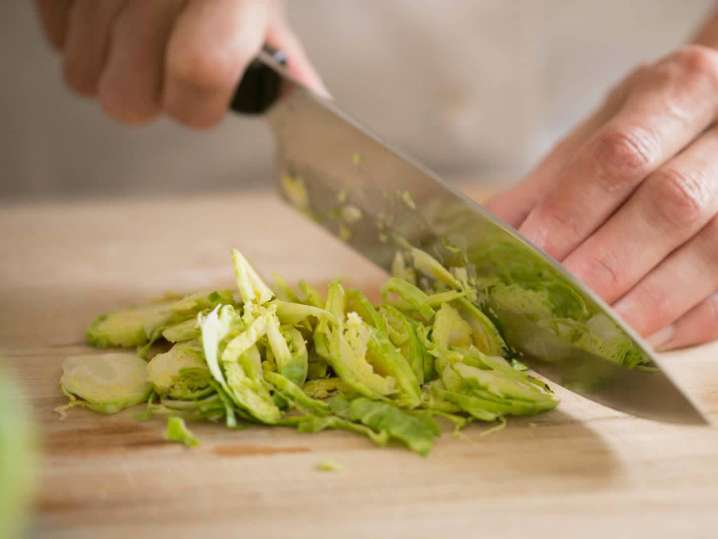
column 559, row 328
column 506, row 280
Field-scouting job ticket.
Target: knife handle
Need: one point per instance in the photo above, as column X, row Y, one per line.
column 261, row 83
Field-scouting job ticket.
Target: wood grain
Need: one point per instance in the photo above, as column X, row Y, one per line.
column 581, row 471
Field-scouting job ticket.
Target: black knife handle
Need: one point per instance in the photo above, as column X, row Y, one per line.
column 260, row 85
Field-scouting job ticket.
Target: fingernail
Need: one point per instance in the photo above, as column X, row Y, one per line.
column 660, row 340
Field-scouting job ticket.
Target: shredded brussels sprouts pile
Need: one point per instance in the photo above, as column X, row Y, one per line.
column 292, row 357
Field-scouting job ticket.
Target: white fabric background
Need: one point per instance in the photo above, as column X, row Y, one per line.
column 476, row 88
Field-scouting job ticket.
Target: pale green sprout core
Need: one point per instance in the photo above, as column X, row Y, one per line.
column 106, row 383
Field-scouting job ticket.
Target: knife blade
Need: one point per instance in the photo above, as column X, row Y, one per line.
column 378, row 200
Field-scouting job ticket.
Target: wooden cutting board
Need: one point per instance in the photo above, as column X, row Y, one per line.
column 580, row 471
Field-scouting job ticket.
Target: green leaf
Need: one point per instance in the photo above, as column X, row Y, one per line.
column 326, row 387
column 402, row 333
column 239, row 372
column 139, row 326
column 126, row 328
column 336, row 301
column 252, row 288
column 297, row 367
column 400, row 270
column 247, row 337
column 360, row 304
column 388, row 361
column 431, row 267
column 450, row 329
column 293, row 393
column 181, row 373
column 417, row 433
column 474, row 406
column 294, row 313
column 345, row 349
column 177, row 431
column 250, row 392
column 215, row 327
column 502, row 386
column 311, row 423
column 283, row 291
column 407, row 297
column 484, row 334
column 184, row 331
column 310, row 295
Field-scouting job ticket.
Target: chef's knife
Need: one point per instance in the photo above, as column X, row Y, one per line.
column 378, row 200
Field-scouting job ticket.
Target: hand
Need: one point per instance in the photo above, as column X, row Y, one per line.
column 628, row 202
column 184, row 58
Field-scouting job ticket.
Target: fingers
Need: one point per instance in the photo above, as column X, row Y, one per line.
column 515, row 204
column 131, row 84
column 211, row 45
column 53, row 17
column 668, row 209
column 697, row 326
column 180, row 57
column 665, row 110
column 87, row 41
column 281, row 36
column 683, row 280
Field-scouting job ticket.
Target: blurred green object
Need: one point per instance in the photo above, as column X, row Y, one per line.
column 18, row 458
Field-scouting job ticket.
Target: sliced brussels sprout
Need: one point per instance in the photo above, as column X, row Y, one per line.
column 181, row 373
column 106, row 383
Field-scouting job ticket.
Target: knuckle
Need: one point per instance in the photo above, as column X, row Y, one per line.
column 203, row 70
column 625, row 156
column 679, row 198
column 697, row 61
column 602, row 273
column 560, row 228
column 656, row 304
